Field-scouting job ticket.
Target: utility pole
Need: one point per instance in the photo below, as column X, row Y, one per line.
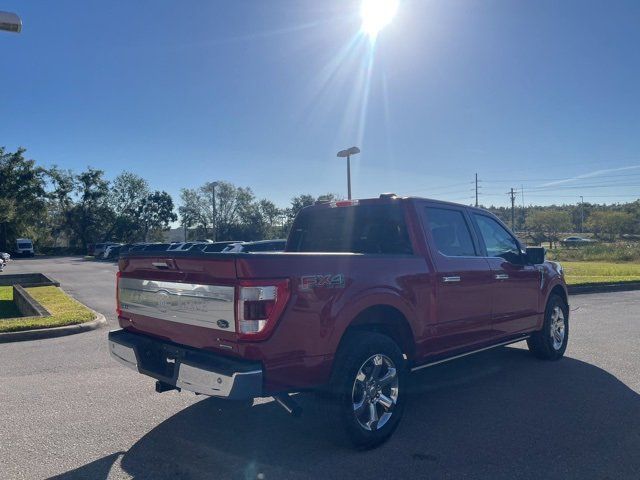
column 476, row 190
column 581, row 213
column 513, row 208
column 213, row 209
column 524, row 211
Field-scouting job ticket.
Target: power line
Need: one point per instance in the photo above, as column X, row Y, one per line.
column 568, row 179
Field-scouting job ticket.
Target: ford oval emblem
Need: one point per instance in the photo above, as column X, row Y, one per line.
column 223, row 324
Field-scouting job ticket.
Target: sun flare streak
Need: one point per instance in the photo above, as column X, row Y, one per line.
column 377, row 14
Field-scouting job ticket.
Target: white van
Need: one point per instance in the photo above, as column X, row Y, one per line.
column 24, row 246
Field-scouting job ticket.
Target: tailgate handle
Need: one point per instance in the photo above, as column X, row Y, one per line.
column 160, row 265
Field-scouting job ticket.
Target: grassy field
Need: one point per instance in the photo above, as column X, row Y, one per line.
column 64, row 310
column 618, row 252
column 578, row 273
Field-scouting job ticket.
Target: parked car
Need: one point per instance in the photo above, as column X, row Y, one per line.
column 24, row 247
column 185, row 246
column 366, row 292
column 4, row 258
column 576, row 241
column 217, row 247
column 112, row 251
column 258, row 246
column 99, row 248
column 156, row 247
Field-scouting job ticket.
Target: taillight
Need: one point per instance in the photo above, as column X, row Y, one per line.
column 259, row 305
column 118, row 309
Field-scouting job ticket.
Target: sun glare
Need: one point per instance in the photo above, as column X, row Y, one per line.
column 377, row 14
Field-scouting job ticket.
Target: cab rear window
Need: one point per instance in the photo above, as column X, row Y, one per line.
column 373, row 229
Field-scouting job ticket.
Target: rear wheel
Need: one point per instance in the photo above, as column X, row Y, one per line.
column 367, row 389
column 550, row 343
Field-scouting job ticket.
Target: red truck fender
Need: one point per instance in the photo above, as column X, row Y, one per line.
column 379, row 309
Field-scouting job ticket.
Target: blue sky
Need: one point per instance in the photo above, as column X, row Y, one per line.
column 264, row 93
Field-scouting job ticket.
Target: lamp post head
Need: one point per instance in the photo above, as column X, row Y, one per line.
column 348, row 152
column 10, row 22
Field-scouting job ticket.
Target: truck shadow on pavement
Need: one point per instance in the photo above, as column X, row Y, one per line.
column 499, row 414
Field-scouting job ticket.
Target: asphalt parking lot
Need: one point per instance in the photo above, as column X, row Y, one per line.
column 68, row 411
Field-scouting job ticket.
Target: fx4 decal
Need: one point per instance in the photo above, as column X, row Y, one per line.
column 309, row 282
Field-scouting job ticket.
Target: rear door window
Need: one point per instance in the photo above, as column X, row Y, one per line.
column 450, row 232
column 373, row 229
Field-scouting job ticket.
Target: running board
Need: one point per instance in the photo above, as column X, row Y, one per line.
column 455, row 357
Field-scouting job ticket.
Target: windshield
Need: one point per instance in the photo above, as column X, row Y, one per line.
column 24, row 245
column 373, row 229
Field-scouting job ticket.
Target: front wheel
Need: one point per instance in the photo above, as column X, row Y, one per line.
column 367, row 391
column 550, row 343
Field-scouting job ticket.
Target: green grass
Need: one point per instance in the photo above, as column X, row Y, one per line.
column 577, row 273
column 64, row 310
column 618, row 252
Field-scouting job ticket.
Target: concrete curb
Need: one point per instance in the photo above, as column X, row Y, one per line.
column 42, row 333
column 603, row 288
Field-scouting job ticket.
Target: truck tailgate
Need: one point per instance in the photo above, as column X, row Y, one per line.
column 182, row 299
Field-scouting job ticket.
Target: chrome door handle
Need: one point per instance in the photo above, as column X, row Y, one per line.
column 455, row 278
column 501, row 276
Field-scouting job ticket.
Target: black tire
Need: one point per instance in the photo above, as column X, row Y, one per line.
column 542, row 343
column 357, row 351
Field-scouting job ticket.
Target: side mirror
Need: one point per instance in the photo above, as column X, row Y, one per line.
column 535, row 255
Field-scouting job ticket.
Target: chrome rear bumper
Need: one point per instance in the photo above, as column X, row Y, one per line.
column 187, row 368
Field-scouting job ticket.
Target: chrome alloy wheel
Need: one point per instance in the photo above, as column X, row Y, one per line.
column 375, row 392
column 557, row 327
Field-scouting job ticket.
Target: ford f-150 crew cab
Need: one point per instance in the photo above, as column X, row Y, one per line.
column 365, row 292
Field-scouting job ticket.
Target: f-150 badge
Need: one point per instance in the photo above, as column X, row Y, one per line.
column 309, row 282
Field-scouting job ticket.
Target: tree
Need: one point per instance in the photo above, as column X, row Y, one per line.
column 610, row 223
column 62, row 183
column 193, row 211
column 156, row 213
column 546, row 225
column 128, row 191
column 22, row 195
column 127, row 195
column 91, row 216
column 235, row 210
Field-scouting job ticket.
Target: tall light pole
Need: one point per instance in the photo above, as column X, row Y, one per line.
column 347, row 153
column 10, row 22
column 213, row 209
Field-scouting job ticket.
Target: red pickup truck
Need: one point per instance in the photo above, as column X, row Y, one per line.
column 365, row 292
